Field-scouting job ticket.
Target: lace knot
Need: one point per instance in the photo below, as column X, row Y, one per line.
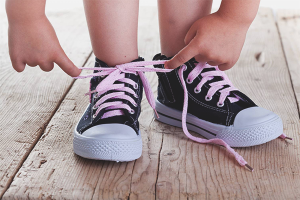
column 122, row 68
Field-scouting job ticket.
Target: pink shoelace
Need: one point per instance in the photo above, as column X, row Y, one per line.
column 115, row 108
column 117, row 73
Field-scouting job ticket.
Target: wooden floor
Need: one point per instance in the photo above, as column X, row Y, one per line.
column 39, row 111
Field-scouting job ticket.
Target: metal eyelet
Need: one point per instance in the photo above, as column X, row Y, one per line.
column 220, row 105
column 188, row 81
column 94, row 107
column 208, row 98
column 94, row 116
column 131, row 111
column 136, row 86
column 96, row 96
column 184, row 67
column 197, row 91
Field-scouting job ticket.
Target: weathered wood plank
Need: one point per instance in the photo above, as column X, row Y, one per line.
column 146, row 168
column 193, row 171
column 67, row 176
column 289, row 27
column 29, row 99
column 52, row 170
column 186, row 169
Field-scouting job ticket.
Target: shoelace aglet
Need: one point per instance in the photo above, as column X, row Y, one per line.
column 289, row 138
column 249, row 167
column 156, row 113
column 283, row 136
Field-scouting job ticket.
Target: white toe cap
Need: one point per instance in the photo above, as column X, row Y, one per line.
column 111, row 131
column 253, row 116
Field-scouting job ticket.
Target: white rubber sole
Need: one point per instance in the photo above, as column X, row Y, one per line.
column 107, row 149
column 235, row 137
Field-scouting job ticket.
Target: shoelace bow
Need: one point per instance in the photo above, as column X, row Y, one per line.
column 117, row 73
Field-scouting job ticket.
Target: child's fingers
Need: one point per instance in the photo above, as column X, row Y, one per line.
column 204, row 59
column 190, row 35
column 213, row 63
column 225, row 66
column 67, row 65
column 18, row 65
column 201, row 58
column 47, row 67
column 183, row 56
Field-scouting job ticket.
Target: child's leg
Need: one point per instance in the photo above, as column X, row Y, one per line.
column 113, row 29
column 175, row 19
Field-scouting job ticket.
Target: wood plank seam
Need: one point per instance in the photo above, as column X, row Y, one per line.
column 159, row 155
column 187, row 170
column 40, row 134
column 288, row 67
column 130, row 185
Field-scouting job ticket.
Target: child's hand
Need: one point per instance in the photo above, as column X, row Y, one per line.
column 213, row 39
column 35, row 43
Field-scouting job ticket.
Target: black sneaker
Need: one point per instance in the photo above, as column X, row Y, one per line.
column 109, row 128
column 216, row 109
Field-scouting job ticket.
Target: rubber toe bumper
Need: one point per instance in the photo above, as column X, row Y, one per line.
column 115, row 142
column 253, row 126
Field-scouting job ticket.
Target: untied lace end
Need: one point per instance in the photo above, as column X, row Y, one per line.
column 237, row 156
column 249, row 167
column 283, row 136
column 155, row 111
column 217, row 141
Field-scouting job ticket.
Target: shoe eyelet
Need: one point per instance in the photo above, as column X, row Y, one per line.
column 197, row 91
column 220, row 105
column 94, row 116
column 131, row 111
column 136, row 86
column 188, row 81
column 96, row 96
column 184, row 67
column 207, row 98
column 94, row 107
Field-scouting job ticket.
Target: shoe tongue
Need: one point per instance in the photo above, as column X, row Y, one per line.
column 99, row 63
column 97, row 79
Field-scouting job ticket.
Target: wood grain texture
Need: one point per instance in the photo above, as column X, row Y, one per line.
column 146, row 168
column 63, row 175
column 53, row 171
column 29, row 99
column 289, row 28
column 173, row 167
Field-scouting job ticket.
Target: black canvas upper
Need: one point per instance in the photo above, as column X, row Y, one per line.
column 170, row 93
column 129, row 119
